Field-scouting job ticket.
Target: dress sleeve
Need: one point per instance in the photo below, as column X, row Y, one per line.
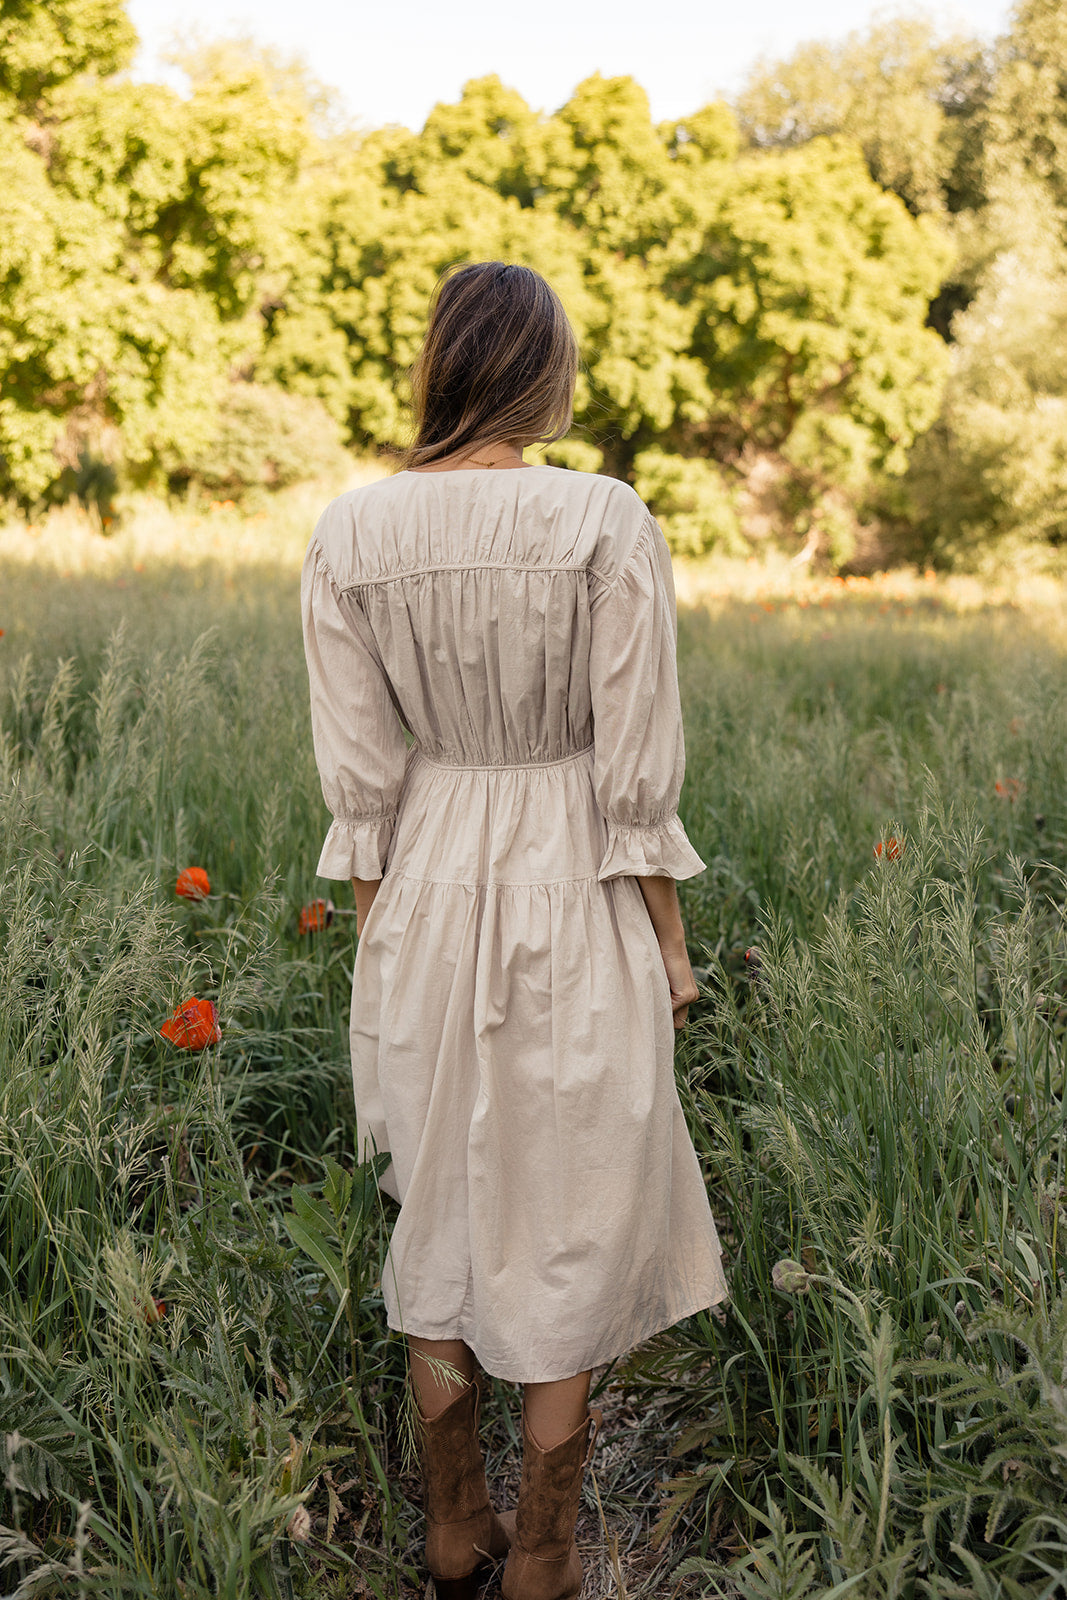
column 359, row 742
column 639, row 746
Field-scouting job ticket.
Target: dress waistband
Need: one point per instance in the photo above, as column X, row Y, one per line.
column 501, row 766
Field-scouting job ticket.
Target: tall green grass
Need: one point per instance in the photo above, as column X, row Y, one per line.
column 168, row 1454
column 876, row 1093
column 876, row 1087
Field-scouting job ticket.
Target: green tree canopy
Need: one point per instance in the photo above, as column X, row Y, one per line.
column 898, row 88
column 145, row 229
column 712, row 296
column 751, row 288
column 812, row 287
column 1026, row 125
column 44, row 42
column 990, row 479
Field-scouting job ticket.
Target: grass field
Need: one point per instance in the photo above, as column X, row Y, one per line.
column 198, row 1394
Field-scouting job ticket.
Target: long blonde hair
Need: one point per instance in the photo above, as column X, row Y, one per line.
column 499, row 362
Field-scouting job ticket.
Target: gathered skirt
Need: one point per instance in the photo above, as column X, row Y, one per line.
column 513, row 1050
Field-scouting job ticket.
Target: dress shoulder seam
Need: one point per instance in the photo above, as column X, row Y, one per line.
column 648, row 523
column 322, row 562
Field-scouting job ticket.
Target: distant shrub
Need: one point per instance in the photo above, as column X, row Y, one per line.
column 92, row 480
column 692, row 501
column 989, row 480
column 266, row 439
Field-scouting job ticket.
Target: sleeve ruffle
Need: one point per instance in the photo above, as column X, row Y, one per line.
column 639, row 759
column 660, row 851
column 357, row 847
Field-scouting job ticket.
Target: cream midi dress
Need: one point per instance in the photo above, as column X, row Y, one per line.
column 511, row 1028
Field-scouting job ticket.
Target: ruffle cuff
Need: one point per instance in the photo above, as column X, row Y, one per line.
column 356, row 847
column 660, row 851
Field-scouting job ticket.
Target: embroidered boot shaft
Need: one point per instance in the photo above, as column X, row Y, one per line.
column 544, row 1563
column 463, row 1532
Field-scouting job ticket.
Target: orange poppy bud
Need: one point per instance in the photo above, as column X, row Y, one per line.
column 193, row 1026
column 316, row 916
column 892, row 849
column 193, row 884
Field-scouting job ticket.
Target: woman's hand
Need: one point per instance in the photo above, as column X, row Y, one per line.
column 661, row 898
column 684, row 991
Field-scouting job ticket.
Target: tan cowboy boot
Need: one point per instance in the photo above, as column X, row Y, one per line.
column 544, row 1563
column 464, row 1535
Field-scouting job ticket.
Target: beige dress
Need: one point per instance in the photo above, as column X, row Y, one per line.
column 512, row 1036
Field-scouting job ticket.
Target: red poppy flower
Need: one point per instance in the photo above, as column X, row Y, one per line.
column 1008, row 788
column 892, row 849
column 193, row 884
column 193, row 1026
column 316, row 916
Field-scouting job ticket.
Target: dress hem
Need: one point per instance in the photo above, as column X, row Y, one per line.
column 599, row 1359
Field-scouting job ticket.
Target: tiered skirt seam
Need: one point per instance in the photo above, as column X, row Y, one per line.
column 491, row 883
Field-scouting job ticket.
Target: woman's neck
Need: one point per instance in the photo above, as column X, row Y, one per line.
column 496, row 456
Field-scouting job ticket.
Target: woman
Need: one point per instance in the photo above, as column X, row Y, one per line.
column 521, row 957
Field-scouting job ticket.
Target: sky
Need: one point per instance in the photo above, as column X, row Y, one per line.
column 394, row 60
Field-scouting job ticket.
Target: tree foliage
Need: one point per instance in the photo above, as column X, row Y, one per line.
column 977, row 137
column 44, row 42
column 755, row 289
column 902, row 92
column 1026, row 125
column 991, row 477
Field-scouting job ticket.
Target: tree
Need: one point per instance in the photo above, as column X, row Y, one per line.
column 989, row 481
column 904, row 94
column 185, row 271
column 146, row 230
column 95, row 354
column 1026, row 125
column 810, row 288
column 44, row 42
column 486, row 178
column 991, row 477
